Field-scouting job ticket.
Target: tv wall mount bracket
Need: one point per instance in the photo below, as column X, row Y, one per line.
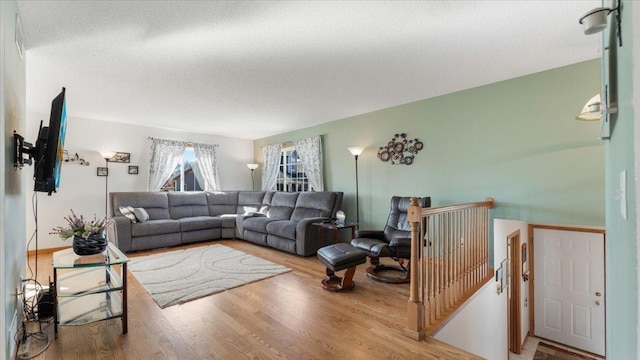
column 23, row 152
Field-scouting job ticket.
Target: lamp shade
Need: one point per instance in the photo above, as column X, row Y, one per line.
column 595, row 20
column 252, row 166
column 591, row 110
column 107, row 154
column 356, row 150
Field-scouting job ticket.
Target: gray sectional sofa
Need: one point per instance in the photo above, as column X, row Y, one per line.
column 279, row 220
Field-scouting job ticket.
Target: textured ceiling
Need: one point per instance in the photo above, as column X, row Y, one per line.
column 254, row 69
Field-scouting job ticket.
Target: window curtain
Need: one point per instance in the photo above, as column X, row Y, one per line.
column 196, row 172
column 270, row 165
column 310, row 152
column 207, row 165
column 165, row 156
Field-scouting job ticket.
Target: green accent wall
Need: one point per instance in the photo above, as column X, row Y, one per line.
column 516, row 141
column 621, row 246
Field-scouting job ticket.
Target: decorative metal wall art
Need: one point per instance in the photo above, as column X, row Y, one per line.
column 400, row 150
column 73, row 159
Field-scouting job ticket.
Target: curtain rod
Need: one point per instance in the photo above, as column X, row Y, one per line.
column 290, row 142
column 181, row 141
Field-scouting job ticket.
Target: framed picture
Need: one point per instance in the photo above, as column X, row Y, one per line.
column 103, row 171
column 121, row 157
column 499, row 280
column 506, row 275
column 133, row 170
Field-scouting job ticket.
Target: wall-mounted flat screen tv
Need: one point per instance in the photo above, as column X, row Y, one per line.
column 50, row 146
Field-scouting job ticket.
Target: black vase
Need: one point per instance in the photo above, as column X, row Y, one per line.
column 94, row 244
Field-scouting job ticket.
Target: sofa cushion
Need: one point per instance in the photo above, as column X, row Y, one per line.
column 283, row 228
column 183, row 204
column 258, row 224
column 228, row 220
column 314, row 204
column 155, row 227
column 155, row 203
column 250, row 201
column 199, row 223
column 127, row 211
column 222, row 202
column 282, row 204
column 141, row 214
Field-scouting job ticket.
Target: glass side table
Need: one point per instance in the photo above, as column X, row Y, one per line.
column 89, row 288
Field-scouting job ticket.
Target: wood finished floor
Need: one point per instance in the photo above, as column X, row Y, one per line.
column 288, row 316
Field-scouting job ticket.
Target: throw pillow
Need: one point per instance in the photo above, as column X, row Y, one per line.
column 141, row 214
column 128, row 213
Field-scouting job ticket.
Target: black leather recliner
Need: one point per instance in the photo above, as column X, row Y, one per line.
column 393, row 242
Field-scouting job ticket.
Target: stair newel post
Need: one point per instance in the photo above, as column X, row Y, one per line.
column 415, row 307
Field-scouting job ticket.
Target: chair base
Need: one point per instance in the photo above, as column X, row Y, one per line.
column 335, row 283
column 380, row 273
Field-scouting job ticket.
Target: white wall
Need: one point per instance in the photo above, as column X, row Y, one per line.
column 12, row 193
column 481, row 326
column 84, row 192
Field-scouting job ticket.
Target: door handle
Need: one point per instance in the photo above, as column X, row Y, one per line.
column 597, row 302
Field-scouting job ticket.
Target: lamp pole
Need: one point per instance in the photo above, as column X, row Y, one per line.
column 357, row 196
column 356, row 151
column 106, row 187
column 106, row 155
column 252, row 167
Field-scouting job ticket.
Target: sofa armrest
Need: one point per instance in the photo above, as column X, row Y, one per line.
column 307, row 240
column 119, row 233
column 370, row 234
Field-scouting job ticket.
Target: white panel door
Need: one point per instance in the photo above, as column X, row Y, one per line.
column 569, row 288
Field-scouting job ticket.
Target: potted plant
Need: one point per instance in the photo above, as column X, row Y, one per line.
column 88, row 235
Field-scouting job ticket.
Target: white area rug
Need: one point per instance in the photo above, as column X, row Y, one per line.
column 179, row 276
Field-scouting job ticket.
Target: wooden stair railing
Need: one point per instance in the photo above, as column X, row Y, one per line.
column 449, row 260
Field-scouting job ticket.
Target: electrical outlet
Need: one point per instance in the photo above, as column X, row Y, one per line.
column 13, row 331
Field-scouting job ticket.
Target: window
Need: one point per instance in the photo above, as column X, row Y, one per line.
column 291, row 174
column 185, row 175
column 295, row 166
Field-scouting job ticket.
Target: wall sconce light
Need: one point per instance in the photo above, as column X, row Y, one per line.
column 593, row 110
column 595, row 20
column 252, row 167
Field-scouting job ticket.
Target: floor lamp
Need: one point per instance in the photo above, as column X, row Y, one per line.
column 252, row 167
column 356, row 151
column 107, row 157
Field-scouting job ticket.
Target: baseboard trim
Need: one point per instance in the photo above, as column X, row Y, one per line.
column 46, row 251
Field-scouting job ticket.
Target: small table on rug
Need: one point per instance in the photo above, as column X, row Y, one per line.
column 89, row 288
column 335, row 226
